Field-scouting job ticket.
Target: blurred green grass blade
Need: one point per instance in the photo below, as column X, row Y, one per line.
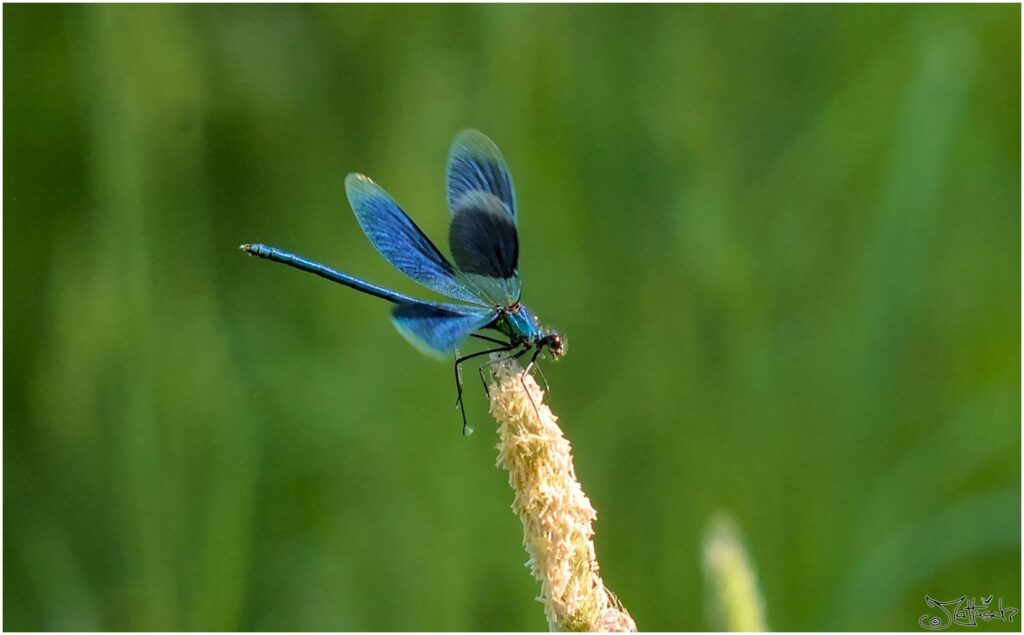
column 783, row 240
column 918, row 551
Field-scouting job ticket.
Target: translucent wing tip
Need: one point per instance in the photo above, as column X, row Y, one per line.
column 359, row 188
column 476, row 163
column 357, row 183
column 468, row 133
column 470, row 139
column 414, row 338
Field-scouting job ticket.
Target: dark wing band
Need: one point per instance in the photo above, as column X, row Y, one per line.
column 483, row 238
column 437, row 329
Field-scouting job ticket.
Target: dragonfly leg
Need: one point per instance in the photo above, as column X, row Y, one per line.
column 458, row 378
column 522, row 378
column 547, row 387
column 488, row 339
column 505, row 346
column 480, row 371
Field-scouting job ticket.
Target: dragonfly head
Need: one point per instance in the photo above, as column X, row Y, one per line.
column 555, row 343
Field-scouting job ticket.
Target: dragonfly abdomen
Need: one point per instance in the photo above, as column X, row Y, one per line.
column 310, row 266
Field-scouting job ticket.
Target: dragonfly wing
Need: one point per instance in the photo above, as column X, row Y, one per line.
column 476, row 165
column 436, row 329
column 399, row 240
column 485, row 245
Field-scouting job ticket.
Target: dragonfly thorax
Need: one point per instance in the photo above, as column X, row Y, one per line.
column 521, row 327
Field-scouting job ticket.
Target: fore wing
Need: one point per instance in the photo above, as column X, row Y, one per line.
column 399, row 240
column 436, row 329
column 475, row 164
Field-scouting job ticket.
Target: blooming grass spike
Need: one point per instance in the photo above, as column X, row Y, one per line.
column 736, row 602
column 557, row 516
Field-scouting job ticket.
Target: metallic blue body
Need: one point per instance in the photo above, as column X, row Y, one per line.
column 515, row 322
column 484, row 243
column 483, row 240
column 304, row 264
column 518, row 324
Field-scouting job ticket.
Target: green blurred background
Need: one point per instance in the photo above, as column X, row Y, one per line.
column 784, row 243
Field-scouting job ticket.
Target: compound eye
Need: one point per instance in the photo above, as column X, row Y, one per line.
column 556, row 344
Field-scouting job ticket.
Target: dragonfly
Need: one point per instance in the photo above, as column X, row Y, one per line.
column 484, row 279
